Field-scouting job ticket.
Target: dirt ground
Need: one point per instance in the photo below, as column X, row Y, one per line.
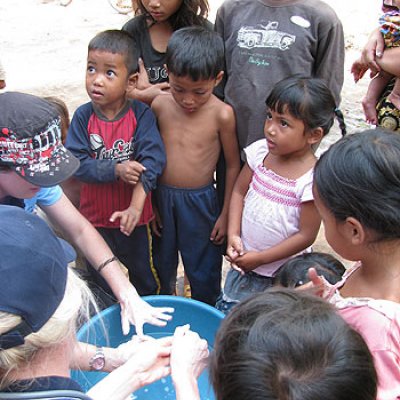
column 43, row 48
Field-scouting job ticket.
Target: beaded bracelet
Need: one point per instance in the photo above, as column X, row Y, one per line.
column 105, row 263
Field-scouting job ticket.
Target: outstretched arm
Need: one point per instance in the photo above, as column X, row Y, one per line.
column 79, row 230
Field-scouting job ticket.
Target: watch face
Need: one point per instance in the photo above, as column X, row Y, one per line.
column 97, row 362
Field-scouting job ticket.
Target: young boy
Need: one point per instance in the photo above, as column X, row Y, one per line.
column 121, row 155
column 194, row 125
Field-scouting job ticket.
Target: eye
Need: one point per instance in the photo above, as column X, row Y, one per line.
column 177, row 89
column 110, row 73
column 200, row 93
column 90, row 69
column 268, row 116
column 284, row 123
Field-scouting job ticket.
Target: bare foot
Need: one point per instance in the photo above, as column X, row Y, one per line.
column 394, row 98
column 370, row 110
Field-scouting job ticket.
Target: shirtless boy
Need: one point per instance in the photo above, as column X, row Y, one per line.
column 195, row 125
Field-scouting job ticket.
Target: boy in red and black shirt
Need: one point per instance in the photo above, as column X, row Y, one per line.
column 121, row 156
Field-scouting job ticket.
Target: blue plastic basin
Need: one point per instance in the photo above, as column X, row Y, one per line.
column 202, row 318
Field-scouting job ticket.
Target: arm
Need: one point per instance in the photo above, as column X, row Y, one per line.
column 79, row 230
column 308, row 230
column 91, row 170
column 149, row 364
column 230, row 148
column 373, row 50
column 329, row 60
column 240, row 188
column 130, row 216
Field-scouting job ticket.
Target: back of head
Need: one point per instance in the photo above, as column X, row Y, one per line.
column 307, row 99
column 117, row 42
column 294, row 272
column 359, row 176
column 195, row 52
column 288, row 345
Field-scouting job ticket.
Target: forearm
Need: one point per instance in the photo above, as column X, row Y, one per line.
column 138, row 198
column 389, row 62
column 187, row 389
column 231, row 175
column 235, row 214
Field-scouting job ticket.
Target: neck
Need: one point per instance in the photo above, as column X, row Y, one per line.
column 379, row 276
column 50, row 361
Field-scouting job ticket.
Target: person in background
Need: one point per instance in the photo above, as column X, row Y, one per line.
column 294, row 272
column 151, row 29
column 38, row 330
column 196, row 127
column 33, row 162
column 121, row 155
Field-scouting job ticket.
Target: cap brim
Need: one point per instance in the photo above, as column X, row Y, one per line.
column 55, row 171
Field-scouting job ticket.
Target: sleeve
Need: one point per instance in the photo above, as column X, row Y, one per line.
column 307, row 194
column 255, row 153
column 148, row 146
column 329, row 60
column 91, row 170
column 45, row 197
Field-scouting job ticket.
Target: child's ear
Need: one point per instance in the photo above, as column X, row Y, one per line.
column 132, row 81
column 355, row 232
column 315, row 135
column 218, row 78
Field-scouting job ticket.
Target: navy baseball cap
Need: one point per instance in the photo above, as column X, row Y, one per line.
column 33, row 272
column 30, row 140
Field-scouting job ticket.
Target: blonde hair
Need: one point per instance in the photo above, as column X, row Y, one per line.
column 73, row 309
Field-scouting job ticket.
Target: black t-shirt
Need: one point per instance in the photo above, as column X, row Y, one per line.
column 153, row 59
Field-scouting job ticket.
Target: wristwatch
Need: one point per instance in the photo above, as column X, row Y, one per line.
column 98, row 361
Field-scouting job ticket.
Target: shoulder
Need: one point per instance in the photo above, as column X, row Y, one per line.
column 323, row 11
column 162, row 102
column 224, row 111
column 135, row 25
column 256, row 152
column 84, row 109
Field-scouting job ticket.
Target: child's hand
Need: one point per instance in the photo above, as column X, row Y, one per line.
column 248, row 261
column 219, row 231
column 156, row 224
column 234, row 248
column 129, row 171
column 317, row 285
column 358, row 69
column 129, row 219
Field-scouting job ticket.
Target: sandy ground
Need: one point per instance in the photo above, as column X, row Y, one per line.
column 43, row 49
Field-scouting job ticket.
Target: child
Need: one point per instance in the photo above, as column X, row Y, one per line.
column 151, row 29
column 390, row 30
column 357, row 193
column 272, row 215
column 107, row 135
column 283, row 344
column 195, row 126
column 269, row 40
column 294, row 272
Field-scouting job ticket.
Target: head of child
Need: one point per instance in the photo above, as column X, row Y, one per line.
column 304, row 110
column 178, row 13
column 112, row 65
column 195, row 61
column 286, row 344
column 31, row 151
column 357, row 192
column 35, row 262
column 294, row 272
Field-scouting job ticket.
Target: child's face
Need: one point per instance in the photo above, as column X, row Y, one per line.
column 161, row 10
column 285, row 134
column 107, row 78
column 189, row 94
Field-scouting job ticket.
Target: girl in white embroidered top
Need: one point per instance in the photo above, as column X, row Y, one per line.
column 272, row 216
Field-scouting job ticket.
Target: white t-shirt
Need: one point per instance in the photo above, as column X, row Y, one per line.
column 271, row 211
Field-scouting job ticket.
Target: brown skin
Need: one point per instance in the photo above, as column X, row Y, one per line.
column 195, row 125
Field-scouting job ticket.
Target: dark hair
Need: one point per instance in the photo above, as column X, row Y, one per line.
column 285, row 344
column 63, row 112
column 190, row 13
column 294, row 272
column 307, row 99
column 195, row 52
column 117, row 42
column 359, row 176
